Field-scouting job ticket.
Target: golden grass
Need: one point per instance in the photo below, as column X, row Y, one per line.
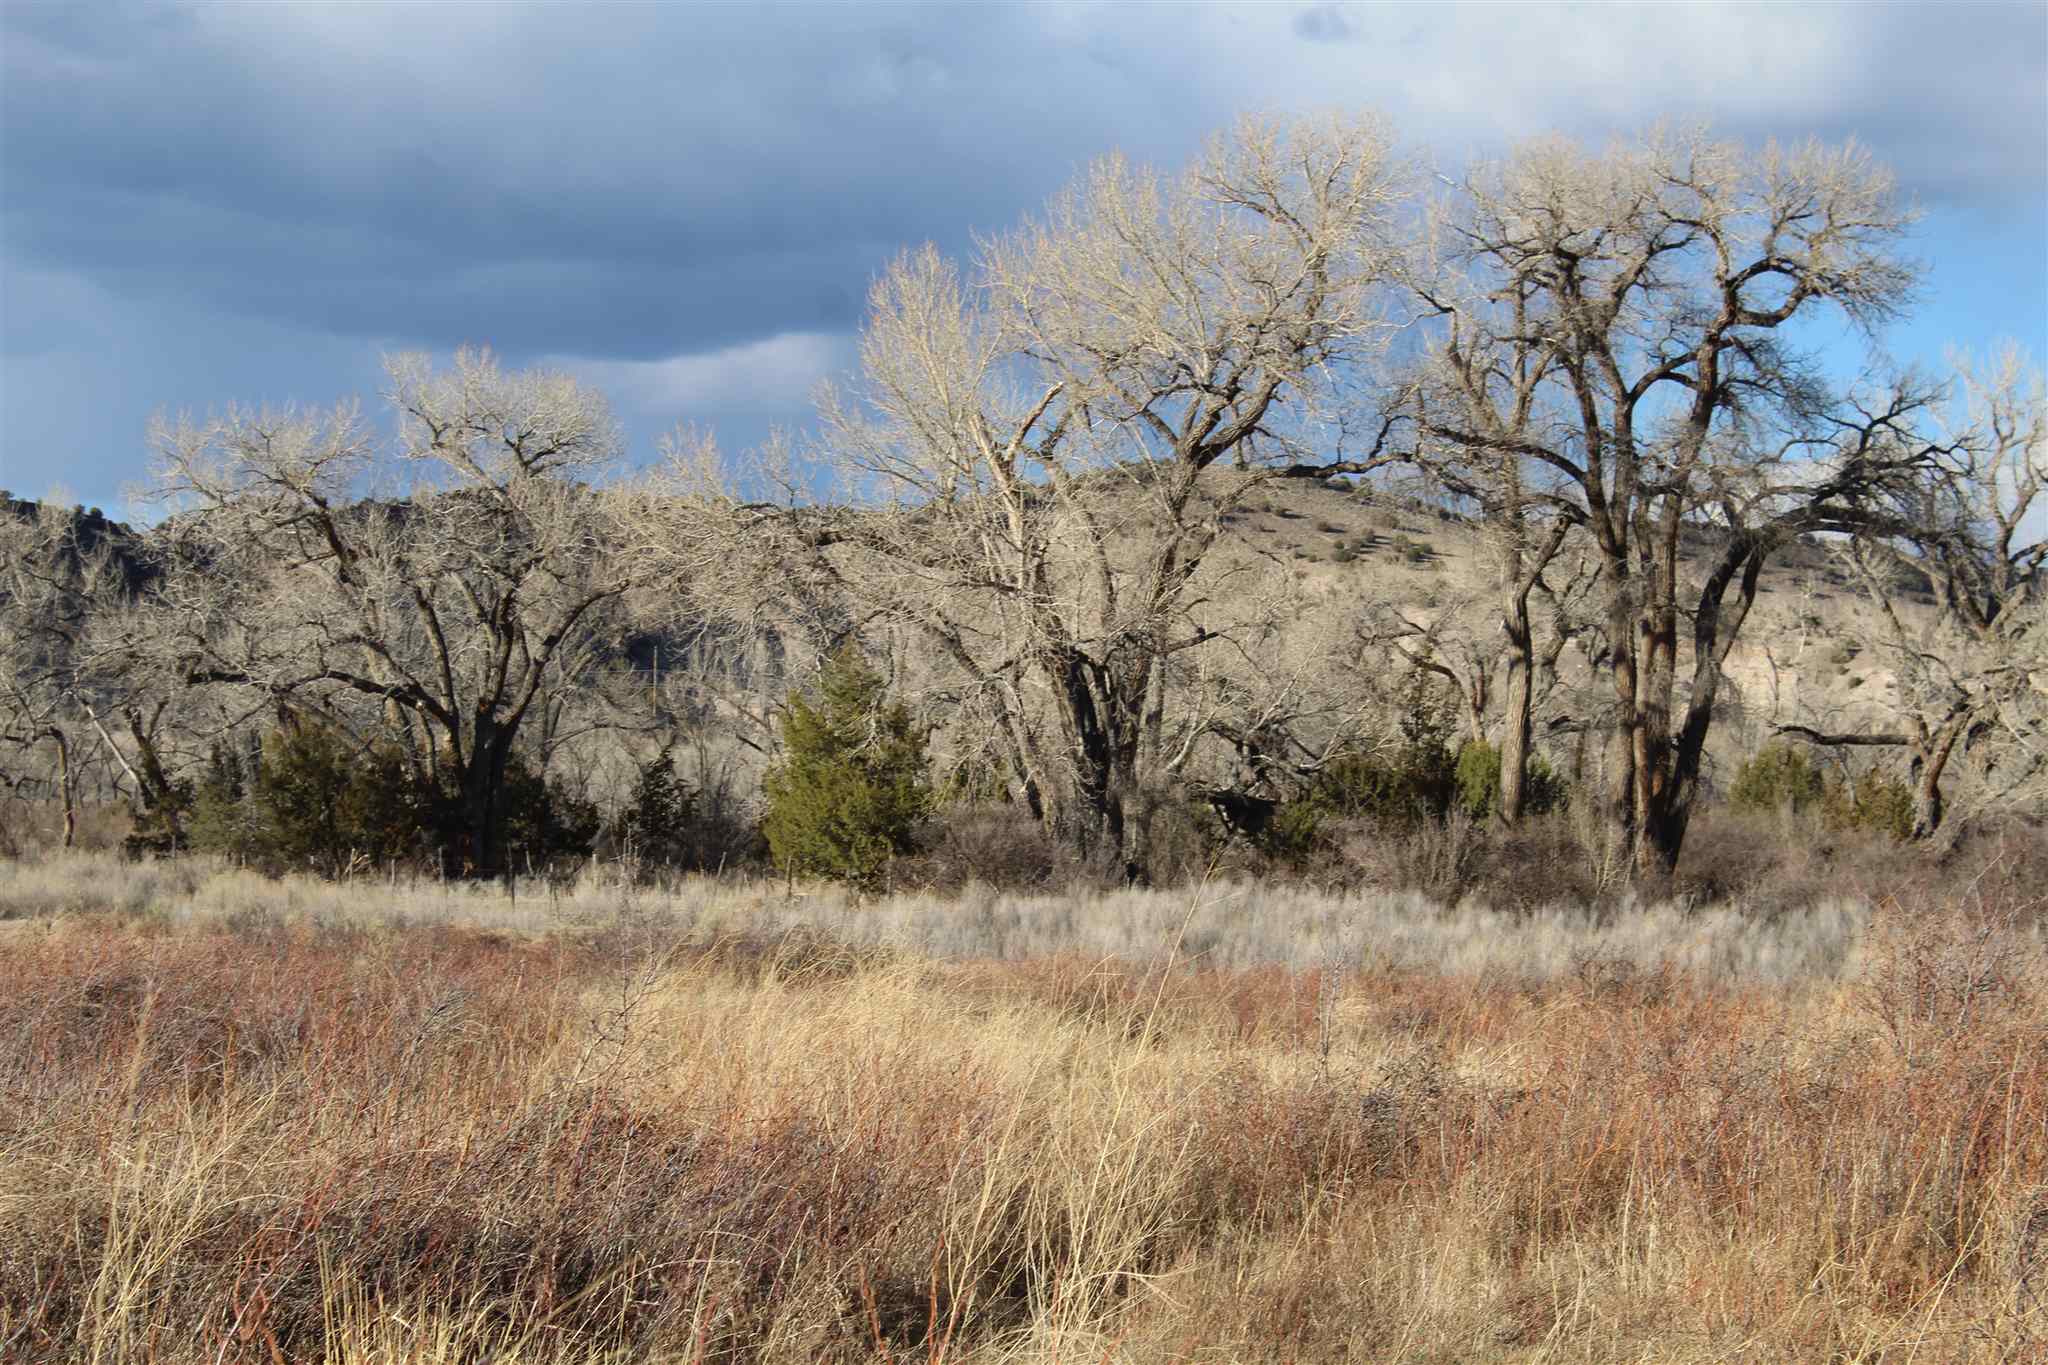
column 425, row 1125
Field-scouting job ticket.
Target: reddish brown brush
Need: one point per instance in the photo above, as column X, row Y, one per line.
column 278, row 1141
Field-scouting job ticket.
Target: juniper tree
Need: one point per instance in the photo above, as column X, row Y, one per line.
column 852, row 785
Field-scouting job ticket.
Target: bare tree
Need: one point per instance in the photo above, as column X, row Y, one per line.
column 1970, row 673
column 1441, row 641
column 1452, row 639
column 1484, row 396
column 446, row 594
column 1642, row 295
column 1044, row 453
column 74, row 601
column 52, row 577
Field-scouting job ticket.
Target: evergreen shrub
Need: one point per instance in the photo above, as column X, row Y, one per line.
column 1875, row 801
column 1777, row 777
column 312, row 799
column 852, row 787
column 1478, row 781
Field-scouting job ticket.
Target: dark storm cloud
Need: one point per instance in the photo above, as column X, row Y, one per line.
column 625, row 180
column 248, row 200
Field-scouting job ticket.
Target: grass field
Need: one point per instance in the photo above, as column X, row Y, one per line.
column 247, row 1120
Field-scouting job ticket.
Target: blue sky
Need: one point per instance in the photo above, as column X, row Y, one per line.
column 250, row 202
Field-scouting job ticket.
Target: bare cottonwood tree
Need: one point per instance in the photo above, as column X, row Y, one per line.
column 1642, row 295
column 447, row 593
column 53, row 576
column 1517, row 630
column 1041, row 453
column 75, row 600
column 1485, row 396
column 1442, row 641
column 1971, row 673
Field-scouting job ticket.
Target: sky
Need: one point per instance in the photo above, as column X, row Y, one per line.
column 684, row 204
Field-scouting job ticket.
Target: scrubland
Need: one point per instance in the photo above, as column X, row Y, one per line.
column 251, row 1120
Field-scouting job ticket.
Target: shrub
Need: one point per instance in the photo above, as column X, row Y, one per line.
column 1875, row 801
column 698, row 822
column 1438, row 858
column 658, row 812
column 301, row 781
column 1478, row 778
column 223, row 819
column 309, row 799
column 991, row 845
column 1411, row 785
column 850, row 793
column 312, row 799
column 1414, row 783
column 1544, row 788
column 160, row 821
column 1777, row 777
column 1478, row 782
column 544, row 822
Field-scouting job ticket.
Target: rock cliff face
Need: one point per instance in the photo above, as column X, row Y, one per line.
column 90, row 529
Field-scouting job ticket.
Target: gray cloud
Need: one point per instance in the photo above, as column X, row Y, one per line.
column 250, row 199
column 1326, row 23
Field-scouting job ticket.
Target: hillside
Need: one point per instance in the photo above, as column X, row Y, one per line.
column 1349, row 550
column 1348, row 547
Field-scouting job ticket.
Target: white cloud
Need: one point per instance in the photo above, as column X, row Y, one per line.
column 777, row 372
column 1952, row 96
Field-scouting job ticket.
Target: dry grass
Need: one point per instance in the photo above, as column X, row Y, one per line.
column 284, row 1121
column 1223, row 926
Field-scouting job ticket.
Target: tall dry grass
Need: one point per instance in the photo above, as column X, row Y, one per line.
column 1222, row 925
column 248, row 1121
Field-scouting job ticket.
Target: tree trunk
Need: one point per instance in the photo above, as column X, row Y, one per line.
column 1100, row 725
column 157, row 791
column 1929, row 762
column 1132, row 824
column 1626, row 753
column 1926, row 802
column 65, row 788
column 483, row 787
column 1087, row 745
column 1660, row 839
column 1716, row 621
column 1475, row 704
column 1655, row 831
column 1515, row 717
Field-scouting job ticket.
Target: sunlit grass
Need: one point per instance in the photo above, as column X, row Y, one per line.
column 251, row 1120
